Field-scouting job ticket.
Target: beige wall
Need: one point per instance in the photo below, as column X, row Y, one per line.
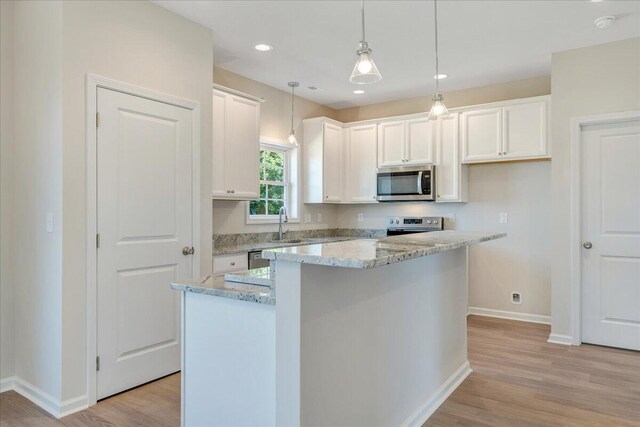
column 592, row 80
column 37, row 180
column 6, row 191
column 142, row 44
column 275, row 122
column 460, row 98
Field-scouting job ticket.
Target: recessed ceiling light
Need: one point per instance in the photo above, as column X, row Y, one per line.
column 358, row 92
column 263, row 47
column 595, row 1
column 440, row 76
column 604, row 21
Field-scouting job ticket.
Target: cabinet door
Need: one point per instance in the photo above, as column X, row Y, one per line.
column 391, row 143
column 361, row 169
column 450, row 181
column 332, row 163
column 242, row 145
column 219, row 187
column 420, row 134
column 524, row 130
column 481, row 135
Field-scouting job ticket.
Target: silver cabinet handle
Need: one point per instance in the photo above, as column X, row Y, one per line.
column 233, row 263
column 587, row 245
column 188, row 251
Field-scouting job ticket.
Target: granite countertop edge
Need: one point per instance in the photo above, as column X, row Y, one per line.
column 418, row 252
column 251, row 247
column 238, row 294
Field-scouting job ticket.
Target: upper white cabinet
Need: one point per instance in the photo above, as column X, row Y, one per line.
column 360, row 171
column 451, row 176
column 322, row 161
column 405, row 142
column 391, row 143
column 236, row 146
column 512, row 130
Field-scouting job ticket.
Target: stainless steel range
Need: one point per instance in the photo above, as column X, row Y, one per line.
column 397, row 225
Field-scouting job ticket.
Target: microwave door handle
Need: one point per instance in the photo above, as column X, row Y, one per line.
column 419, row 182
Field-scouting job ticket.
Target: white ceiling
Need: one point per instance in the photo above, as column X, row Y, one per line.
column 481, row 42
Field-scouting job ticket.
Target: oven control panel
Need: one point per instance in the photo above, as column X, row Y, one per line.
column 415, row 224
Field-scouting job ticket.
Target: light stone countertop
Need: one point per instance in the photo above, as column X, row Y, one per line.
column 371, row 253
column 217, row 286
column 250, row 247
column 257, row 276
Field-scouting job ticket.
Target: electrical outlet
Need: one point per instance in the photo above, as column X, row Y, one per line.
column 360, row 217
column 319, row 216
column 504, row 218
column 516, row 298
column 451, row 218
column 49, row 222
column 307, row 217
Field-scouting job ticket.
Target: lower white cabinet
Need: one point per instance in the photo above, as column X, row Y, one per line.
column 228, row 263
column 360, row 172
column 451, row 175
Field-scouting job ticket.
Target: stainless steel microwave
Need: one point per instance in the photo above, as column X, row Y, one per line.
column 406, row 183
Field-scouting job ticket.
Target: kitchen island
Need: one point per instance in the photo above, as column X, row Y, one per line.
column 362, row 332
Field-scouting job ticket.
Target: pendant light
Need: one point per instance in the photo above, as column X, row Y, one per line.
column 292, row 134
column 438, row 109
column 365, row 70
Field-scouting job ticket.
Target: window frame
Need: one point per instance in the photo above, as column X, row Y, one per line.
column 290, row 182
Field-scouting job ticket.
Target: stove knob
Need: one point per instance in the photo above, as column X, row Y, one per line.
column 429, row 221
column 397, row 221
column 435, row 221
column 390, row 221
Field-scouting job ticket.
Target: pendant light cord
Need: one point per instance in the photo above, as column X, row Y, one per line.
column 435, row 13
column 362, row 10
column 293, row 88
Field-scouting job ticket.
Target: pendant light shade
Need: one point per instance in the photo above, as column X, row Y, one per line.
column 292, row 133
column 365, row 70
column 438, row 109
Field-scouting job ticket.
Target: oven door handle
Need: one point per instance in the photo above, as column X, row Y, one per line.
column 420, row 182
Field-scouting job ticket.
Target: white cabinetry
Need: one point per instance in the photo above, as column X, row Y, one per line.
column 405, row 142
column 513, row 130
column 236, row 146
column 451, row 176
column 228, row 263
column 360, row 171
column 322, row 161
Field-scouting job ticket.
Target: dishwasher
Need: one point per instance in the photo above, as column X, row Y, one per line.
column 256, row 260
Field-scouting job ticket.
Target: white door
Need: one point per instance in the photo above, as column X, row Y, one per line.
column 391, row 143
column 610, row 233
column 219, row 187
column 524, row 130
column 144, row 220
column 419, row 141
column 448, row 169
column 481, row 135
column 332, row 163
column 361, row 171
column 242, row 147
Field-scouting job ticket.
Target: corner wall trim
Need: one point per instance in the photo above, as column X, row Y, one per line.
column 560, row 339
column 43, row 399
column 511, row 315
column 423, row 413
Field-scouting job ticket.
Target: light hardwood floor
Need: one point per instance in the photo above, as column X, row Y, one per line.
column 518, row 380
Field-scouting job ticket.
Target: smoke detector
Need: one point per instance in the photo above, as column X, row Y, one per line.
column 604, row 21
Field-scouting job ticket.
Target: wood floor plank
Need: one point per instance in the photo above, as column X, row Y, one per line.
column 518, row 379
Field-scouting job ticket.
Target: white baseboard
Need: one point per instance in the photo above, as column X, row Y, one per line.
column 43, row 399
column 419, row 417
column 511, row 315
column 560, row 339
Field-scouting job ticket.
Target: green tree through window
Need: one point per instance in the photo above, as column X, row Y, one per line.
column 273, row 184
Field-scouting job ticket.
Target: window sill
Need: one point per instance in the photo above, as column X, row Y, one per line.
column 257, row 221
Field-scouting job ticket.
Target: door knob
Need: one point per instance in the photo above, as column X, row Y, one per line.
column 188, row 251
column 587, row 245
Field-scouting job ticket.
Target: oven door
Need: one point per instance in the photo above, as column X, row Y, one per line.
column 404, row 184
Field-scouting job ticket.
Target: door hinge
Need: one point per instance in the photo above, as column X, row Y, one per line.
column 98, row 241
column 97, row 119
column 97, row 363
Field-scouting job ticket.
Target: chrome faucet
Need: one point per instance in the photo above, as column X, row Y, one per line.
column 282, row 212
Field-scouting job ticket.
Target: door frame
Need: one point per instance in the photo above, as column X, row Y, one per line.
column 93, row 82
column 575, row 221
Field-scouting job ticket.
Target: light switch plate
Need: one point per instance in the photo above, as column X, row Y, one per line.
column 319, row 216
column 504, row 218
column 307, row 217
column 49, row 222
column 360, row 217
column 451, row 218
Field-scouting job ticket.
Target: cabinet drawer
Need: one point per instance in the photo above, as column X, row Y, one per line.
column 228, row 263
